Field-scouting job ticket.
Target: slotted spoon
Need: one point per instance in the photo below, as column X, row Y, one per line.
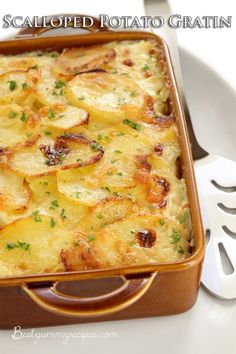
column 216, row 180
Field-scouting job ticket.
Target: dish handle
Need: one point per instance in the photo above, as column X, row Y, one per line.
column 49, row 298
column 37, row 31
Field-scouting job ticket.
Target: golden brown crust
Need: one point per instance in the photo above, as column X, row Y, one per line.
column 75, row 61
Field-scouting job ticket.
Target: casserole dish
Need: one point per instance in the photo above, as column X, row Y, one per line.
column 169, row 287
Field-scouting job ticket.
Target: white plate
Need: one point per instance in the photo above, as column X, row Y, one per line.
column 208, row 328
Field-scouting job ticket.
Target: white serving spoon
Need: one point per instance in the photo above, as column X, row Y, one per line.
column 216, row 180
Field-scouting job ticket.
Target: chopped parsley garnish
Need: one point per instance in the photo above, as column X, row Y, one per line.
column 47, row 133
column 113, row 161
column 24, row 85
column 117, row 152
column 180, row 250
column 53, row 223
column 162, row 222
column 183, row 218
column 145, row 67
column 175, row 236
column 55, row 93
column 106, row 189
column 28, row 134
column 51, row 114
column 132, row 243
column 12, row 85
column 62, row 215
column 23, row 117
column 61, row 158
column 12, row 114
column 132, row 124
column 54, row 55
column 133, row 93
column 120, row 134
column 151, row 206
column 35, row 67
column 36, row 216
column 54, row 205
column 59, row 84
column 116, row 194
column 91, row 238
column 81, row 98
column 100, row 216
column 119, row 173
column 95, row 146
column 23, row 245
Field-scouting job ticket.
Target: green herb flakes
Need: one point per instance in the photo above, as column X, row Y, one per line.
column 132, row 124
column 20, row 244
column 12, row 85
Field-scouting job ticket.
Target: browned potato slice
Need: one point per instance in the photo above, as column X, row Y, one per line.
column 106, row 212
column 141, row 239
column 11, row 62
column 33, row 245
column 118, row 166
column 136, row 240
column 111, row 98
column 62, row 116
column 81, row 255
column 89, row 185
column 47, row 157
column 14, row 191
column 73, row 61
column 17, row 86
column 19, row 126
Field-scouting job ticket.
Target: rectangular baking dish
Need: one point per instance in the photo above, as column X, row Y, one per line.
column 110, row 294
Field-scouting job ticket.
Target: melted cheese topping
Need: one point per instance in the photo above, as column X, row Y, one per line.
column 88, row 153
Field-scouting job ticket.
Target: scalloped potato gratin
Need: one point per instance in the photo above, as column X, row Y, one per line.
column 89, row 153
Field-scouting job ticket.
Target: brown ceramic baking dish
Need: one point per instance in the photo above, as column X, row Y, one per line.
column 111, row 294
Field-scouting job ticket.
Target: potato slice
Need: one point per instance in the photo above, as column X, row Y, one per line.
column 135, row 240
column 166, row 146
column 106, row 212
column 74, row 61
column 118, row 166
column 33, row 245
column 141, row 239
column 81, row 255
column 11, row 62
column 19, row 126
column 91, row 184
column 64, row 117
column 14, row 191
column 44, row 158
column 16, row 86
column 49, row 89
column 47, row 200
column 81, row 186
column 108, row 97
